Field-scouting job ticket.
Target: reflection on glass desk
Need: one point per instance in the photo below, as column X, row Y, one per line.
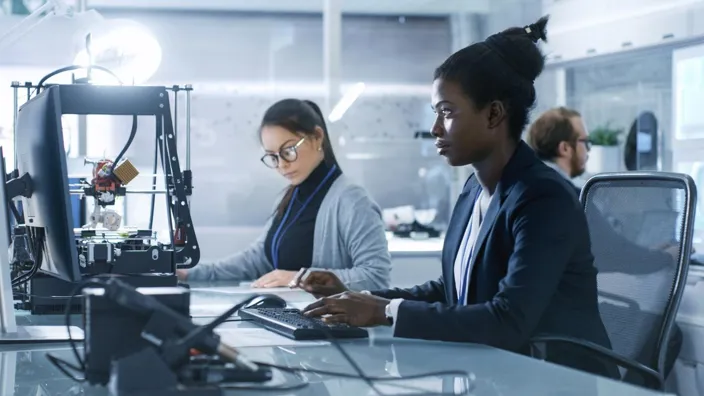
column 492, row 372
column 25, row 370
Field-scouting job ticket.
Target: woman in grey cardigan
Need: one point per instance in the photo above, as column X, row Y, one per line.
column 323, row 221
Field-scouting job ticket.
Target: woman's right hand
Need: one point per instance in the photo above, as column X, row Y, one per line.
column 322, row 284
column 181, row 274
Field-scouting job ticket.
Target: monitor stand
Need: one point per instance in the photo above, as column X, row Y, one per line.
column 9, row 331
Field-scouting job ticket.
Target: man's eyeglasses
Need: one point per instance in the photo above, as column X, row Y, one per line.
column 288, row 154
column 587, row 143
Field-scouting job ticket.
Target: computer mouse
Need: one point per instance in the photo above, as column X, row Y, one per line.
column 266, row 301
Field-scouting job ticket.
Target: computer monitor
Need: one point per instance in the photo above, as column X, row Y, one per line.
column 40, row 154
column 8, row 219
column 9, row 331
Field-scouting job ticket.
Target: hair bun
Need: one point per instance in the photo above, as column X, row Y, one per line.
column 538, row 30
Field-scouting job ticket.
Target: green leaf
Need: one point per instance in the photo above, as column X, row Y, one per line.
column 605, row 135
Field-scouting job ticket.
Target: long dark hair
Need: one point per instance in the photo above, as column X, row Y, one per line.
column 299, row 117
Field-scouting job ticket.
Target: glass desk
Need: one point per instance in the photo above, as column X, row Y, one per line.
column 25, row 370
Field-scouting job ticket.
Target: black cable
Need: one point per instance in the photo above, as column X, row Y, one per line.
column 303, row 382
column 15, row 212
column 62, row 365
column 441, row 373
column 35, row 237
column 40, row 85
column 347, row 357
column 133, row 133
column 360, row 374
column 355, row 376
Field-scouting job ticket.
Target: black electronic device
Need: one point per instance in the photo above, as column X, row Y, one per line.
column 8, row 214
column 142, row 342
column 50, row 294
column 291, row 323
column 10, row 332
column 415, row 230
column 642, row 148
column 47, row 211
column 92, row 250
column 107, row 320
column 266, row 301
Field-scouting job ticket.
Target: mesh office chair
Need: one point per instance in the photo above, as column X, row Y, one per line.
column 631, row 217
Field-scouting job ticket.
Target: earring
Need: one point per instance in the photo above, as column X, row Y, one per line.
column 320, row 148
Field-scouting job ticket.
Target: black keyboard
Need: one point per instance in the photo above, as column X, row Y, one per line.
column 293, row 324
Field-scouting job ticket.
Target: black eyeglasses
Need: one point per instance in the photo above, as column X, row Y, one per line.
column 288, row 154
column 587, row 143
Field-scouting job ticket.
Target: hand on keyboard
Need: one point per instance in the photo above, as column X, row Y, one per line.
column 356, row 309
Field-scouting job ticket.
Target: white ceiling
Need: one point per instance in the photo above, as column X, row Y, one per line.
column 376, row 7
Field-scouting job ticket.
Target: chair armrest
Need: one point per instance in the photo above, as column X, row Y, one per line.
column 602, row 353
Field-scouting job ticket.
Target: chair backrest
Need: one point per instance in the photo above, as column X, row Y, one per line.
column 641, row 226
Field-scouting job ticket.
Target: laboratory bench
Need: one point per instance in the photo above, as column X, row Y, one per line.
column 25, row 370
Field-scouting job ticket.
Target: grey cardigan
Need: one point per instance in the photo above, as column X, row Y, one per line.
column 349, row 240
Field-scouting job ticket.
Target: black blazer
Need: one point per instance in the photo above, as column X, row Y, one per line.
column 533, row 270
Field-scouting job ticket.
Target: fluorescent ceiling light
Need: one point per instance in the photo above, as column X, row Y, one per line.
column 345, row 102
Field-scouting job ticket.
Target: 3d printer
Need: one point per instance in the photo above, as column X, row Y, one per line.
column 103, row 244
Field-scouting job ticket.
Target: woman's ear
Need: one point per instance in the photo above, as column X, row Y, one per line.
column 496, row 114
column 319, row 134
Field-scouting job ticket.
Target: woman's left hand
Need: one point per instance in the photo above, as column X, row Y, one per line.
column 276, row 278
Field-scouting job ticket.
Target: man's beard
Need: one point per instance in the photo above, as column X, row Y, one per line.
column 576, row 168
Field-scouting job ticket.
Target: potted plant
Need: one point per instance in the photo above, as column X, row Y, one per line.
column 605, row 155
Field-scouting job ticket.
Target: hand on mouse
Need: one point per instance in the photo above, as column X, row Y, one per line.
column 276, row 278
column 322, row 284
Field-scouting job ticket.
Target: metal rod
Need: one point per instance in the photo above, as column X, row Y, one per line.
column 176, row 116
column 15, row 110
column 17, row 31
column 81, row 5
column 189, row 88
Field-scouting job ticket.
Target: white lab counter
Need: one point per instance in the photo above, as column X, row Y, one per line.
column 409, row 247
column 222, row 241
column 414, row 261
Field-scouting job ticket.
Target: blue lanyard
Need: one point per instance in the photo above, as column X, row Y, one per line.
column 464, row 281
column 276, row 240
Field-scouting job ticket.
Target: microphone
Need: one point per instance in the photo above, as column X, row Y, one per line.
column 202, row 337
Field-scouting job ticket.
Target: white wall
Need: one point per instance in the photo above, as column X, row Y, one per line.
column 584, row 28
column 221, row 53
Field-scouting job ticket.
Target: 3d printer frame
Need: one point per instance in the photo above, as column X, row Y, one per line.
column 86, row 99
